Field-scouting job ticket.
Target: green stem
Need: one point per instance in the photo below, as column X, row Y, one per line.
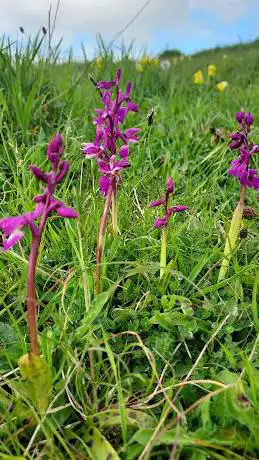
column 254, row 302
column 232, row 235
column 100, row 243
column 114, row 210
column 163, row 251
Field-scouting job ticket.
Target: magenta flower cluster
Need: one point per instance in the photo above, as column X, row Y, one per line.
column 112, row 158
column 13, row 226
column 163, row 201
column 240, row 166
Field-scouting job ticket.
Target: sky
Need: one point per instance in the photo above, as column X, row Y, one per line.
column 188, row 25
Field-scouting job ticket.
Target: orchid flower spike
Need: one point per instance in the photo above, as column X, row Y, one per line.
column 111, row 145
column 13, row 231
column 163, row 201
column 239, row 167
column 163, row 221
column 13, row 227
column 110, row 149
column 247, row 177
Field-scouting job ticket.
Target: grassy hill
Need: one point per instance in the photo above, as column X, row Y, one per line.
column 153, row 368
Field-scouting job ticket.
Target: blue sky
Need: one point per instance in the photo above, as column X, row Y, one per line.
column 188, row 25
column 206, row 29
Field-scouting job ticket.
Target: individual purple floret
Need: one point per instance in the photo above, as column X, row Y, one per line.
column 163, row 201
column 240, row 166
column 12, row 227
column 109, row 134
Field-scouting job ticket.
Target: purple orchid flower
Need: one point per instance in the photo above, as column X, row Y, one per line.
column 111, row 151
column 94, row 149
column 110, row 84
column 108, row 123
column 13, row 227
column 250, row 179
column 247, row 177
column 162, row 222
column 163, row 201
column 240, row 166
column 110, row 171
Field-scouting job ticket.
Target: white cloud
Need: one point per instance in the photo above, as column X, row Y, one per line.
column 88, row 17
column 93, row 16
column 225, row 10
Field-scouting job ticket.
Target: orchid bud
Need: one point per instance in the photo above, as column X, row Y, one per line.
column 38, row 173
column 249, row 119
column 55, row 149
column 240, row 116
column 118, row 76
column 170, row 185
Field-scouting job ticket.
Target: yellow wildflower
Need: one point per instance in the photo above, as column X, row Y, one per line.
column 145, row 60
column 181, row 57
column 99, row 62
column 156, row 62
column 212, row 69
column 139, row 67
column 221, row 86
column 198, row 77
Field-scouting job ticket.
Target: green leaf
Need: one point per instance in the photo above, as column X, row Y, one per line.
column 36, row 372
column 7, row 334
column 101, row 299
column 112, row 417
column 168, row 301
column 171, row 319
column 231, row 240
column 10, row 457
column 198, row 455
column 98, row 446
column 143, row 436
column 96, row 308
column 252, row 379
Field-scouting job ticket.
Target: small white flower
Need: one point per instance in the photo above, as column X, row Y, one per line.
column 165, row 64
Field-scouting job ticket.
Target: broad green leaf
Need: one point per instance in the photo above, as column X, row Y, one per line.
column 144, row 435
column 198, row 455
column 112, row 417
column 231, row 240
column 98, row 446
column 96, row 308
column 36, row 372
column 7, row 334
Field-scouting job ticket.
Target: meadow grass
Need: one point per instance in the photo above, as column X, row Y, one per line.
column 151, row 368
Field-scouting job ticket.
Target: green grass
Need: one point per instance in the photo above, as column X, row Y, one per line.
column 151, row 369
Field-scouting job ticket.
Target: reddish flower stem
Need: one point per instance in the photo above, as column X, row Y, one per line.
column 242, row 194
column 99, row 249
column 31, row 289
column 31, row 296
